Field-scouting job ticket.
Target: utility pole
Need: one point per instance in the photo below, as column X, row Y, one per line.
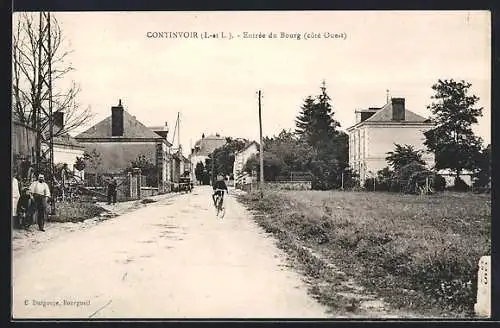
column 213, row 168
column 261, row 151
column 43, row 113
column 179, row 131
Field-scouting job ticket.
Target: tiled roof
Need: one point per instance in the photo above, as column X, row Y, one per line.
column 132, row 128
column 249, row 144
column 207, row 145
column 64, row 139
column 67, row 140
column 385, row 115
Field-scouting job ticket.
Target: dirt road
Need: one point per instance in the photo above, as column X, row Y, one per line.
column 171, row 259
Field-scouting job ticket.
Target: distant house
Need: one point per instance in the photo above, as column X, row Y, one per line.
column 120, row 139
column 204, row 147
column 241, row 157
column 378, row 129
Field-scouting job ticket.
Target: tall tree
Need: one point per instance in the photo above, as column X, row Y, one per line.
column 28, row 62
column 304, row 119
column 452, row 140
column 315, row 122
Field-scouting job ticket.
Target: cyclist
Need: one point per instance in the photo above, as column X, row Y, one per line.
column 219, row 186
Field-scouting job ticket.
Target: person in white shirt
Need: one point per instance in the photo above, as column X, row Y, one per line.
column 15, row 199
column 40, row 192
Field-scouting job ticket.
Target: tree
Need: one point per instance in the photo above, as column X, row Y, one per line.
column 224, row 156
column 315, row 126
column 482, row 176
column 148, row 169
column 79, row 163
column 315, row 123
column 199, row 171
column 304, row 119
column 93, row 161
column 272, row 166
column 294, row 153
column 28, row 90
column 404, row 155
column 452, row 140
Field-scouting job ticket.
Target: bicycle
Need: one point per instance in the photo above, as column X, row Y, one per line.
column 219, row 206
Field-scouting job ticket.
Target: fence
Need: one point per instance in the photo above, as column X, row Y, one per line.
column 130, row 186
column 295, row 177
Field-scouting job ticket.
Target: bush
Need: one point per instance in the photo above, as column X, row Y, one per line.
column 438, row 182
column 460, row 185
column 379, row 185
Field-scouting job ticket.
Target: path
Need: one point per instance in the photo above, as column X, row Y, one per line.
column 170, row 259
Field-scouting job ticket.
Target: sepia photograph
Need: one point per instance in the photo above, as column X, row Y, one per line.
column 251, row 165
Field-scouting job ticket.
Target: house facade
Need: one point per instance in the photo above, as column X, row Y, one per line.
column 202, row 148
column 66, row 151
column 378, row 129
column 120, row 139
column 240, row 158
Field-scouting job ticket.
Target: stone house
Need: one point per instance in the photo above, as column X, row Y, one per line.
column 120, row 139
column 378, row 129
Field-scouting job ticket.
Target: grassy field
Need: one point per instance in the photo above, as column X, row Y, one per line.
column 419, row 253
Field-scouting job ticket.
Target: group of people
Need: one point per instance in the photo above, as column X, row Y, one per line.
column 30, row 202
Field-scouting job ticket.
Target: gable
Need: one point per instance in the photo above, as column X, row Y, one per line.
column 132, row 128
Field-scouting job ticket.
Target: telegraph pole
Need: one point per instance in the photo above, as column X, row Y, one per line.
column 213, row 167
column 43, row 116
column 179, row 130
column 261, row 151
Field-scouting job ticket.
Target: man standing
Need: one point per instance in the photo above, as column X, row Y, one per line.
column 15, row 199
column 41, row 193
column 112, row 185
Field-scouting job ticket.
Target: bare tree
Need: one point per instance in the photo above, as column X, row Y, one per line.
column 28, row 61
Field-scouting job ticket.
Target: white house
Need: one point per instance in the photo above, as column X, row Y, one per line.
column 241, row 157
column 378, row 129
column 204, row 147
column 66, row 150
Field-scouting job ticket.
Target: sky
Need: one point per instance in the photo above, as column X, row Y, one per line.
column 213, row 83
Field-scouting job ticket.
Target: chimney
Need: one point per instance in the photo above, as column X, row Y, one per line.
column 117, row 120
column 165, row 127
column 398, row 109
column 203, row 136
